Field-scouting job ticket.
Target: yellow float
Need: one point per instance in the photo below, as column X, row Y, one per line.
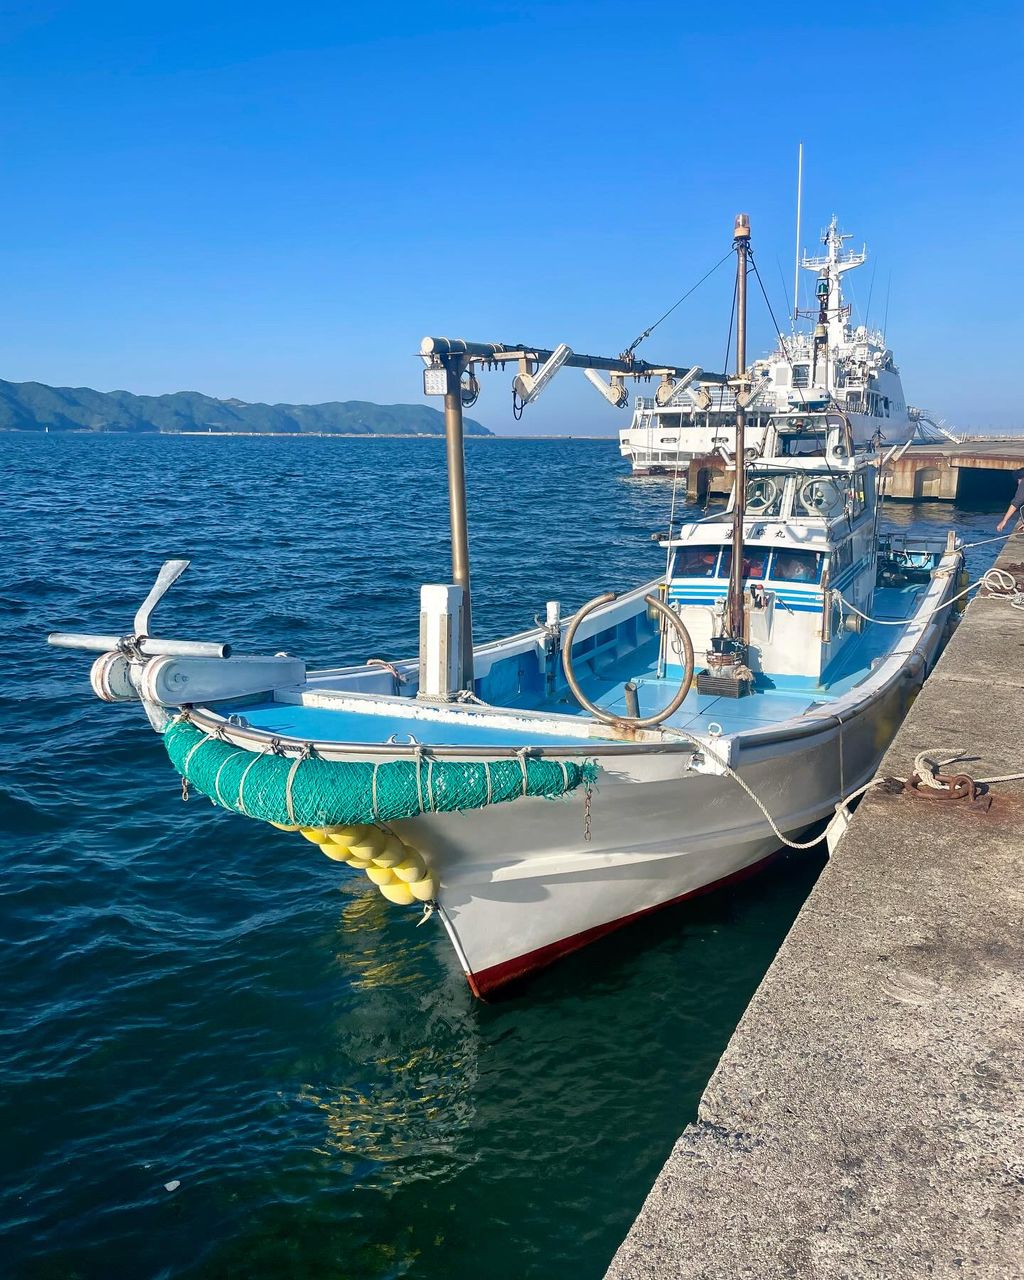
column 368, row 845
column 397, row 869
column 411, row 868
column 424, row 890
column 335, row 852
column 347, row 836
column 393, row 852
column 399, row 892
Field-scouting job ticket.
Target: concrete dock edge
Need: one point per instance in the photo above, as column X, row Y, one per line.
column 867, row 1116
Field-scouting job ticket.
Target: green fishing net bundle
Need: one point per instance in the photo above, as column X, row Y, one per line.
column 312, row 792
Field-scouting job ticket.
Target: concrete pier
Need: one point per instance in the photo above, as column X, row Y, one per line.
column 867, row 1116
column 976, row 469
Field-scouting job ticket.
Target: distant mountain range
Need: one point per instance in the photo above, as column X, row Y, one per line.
column 31, row 406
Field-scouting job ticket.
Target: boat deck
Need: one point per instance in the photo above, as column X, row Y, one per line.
column 527, row 719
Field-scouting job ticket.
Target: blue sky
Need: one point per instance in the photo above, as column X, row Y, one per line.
column 277, row 202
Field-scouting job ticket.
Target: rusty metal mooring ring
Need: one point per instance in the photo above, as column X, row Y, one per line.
column 609, row 717
column 955, row 786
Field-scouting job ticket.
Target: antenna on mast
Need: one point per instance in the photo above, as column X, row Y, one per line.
column 799, row 197
column 871, row 290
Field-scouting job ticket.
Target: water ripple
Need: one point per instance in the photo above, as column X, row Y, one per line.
column 191, row 998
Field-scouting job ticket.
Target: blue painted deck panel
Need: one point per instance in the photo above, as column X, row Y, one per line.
column 603, row 677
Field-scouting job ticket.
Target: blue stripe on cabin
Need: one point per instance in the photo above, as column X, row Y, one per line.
column 806, row 600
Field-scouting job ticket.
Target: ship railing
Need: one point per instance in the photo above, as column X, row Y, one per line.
column 894, row 541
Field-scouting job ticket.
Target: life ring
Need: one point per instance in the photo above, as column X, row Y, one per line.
column 601, row 713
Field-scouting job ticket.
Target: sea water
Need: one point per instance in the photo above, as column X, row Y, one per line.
column 223, row 1055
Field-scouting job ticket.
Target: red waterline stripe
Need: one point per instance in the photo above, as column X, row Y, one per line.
column 487, row 981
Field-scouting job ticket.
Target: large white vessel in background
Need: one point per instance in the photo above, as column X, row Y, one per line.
column 836, row 365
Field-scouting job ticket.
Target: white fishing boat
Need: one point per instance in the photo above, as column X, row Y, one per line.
column 534, row 793
column 832, row 365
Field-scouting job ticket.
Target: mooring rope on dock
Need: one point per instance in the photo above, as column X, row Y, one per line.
column 1000, row 537
column 925, row 769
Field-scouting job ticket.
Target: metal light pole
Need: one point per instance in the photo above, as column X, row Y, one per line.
column 741, row 243
column 455, row 366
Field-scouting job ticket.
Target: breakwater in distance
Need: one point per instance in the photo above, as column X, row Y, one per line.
column 195, row 999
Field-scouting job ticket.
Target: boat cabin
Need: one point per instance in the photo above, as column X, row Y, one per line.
column 809, row 538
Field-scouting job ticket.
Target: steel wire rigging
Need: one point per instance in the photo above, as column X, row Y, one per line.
column 627, row 354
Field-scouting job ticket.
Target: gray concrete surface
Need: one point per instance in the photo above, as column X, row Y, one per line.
column 867, row 1117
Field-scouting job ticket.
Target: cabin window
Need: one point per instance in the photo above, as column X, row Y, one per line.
column 801, row 375
column 796, row 566
column 859, row 496
column 805, row 445
column 696, row 562
column 755, row 562
column 764, row 495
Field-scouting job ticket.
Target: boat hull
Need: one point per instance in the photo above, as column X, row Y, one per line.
column 523, row 885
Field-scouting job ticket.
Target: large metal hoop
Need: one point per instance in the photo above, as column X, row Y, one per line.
column 601, row 713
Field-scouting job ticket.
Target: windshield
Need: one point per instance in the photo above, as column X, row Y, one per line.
column 755, row 560
column 796, row 566
column 696, row 562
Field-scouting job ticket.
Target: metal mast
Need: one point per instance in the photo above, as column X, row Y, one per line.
column 741, row 243
column 455, row 365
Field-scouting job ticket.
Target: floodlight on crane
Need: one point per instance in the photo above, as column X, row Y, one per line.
column 616, row 394
column 669, row 391
column 528, row 386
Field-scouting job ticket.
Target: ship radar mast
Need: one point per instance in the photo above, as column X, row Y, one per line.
column 832, row 314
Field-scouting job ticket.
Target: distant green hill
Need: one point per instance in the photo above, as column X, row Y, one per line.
column 31, row 406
